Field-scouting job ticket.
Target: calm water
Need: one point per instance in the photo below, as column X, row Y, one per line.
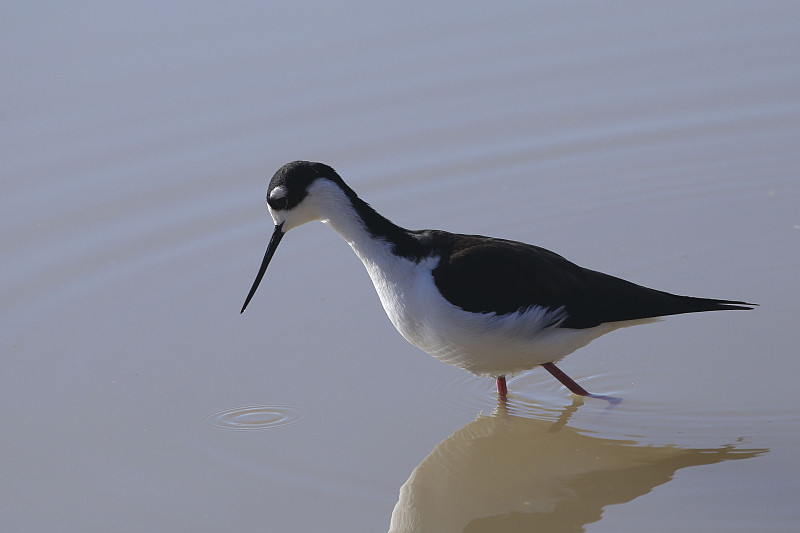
column 655, row 143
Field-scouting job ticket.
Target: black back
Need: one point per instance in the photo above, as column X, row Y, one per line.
column 485, row 275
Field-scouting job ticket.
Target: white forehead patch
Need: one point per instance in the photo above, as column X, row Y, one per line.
column 277, row 193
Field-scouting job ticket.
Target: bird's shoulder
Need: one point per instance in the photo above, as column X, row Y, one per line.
column 484, row 274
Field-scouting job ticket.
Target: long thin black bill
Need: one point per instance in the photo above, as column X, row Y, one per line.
column 277, row 235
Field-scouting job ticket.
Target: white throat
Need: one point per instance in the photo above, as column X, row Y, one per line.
column 396, row 279
column 332, row 207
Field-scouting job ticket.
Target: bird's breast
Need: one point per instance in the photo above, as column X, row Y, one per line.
column 403, row 287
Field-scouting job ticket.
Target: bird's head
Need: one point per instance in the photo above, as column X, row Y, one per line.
column 299, row 192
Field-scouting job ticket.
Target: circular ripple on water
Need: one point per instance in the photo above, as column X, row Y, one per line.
column 254, row 417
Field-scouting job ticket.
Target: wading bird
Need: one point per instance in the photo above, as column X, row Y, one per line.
column 493, row 307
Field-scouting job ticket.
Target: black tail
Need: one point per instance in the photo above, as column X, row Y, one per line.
column 695, row 305
column 612, row 299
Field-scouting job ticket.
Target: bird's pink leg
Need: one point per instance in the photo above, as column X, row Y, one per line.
column 564, row 379
column 502, row 388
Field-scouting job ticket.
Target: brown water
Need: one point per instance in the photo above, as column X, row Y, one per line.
column 659, row 144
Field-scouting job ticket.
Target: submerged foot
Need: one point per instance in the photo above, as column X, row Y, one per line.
column 569, row 383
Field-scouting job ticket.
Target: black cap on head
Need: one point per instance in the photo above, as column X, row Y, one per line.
column 291, row 183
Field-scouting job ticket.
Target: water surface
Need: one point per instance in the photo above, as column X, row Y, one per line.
column 654, row 143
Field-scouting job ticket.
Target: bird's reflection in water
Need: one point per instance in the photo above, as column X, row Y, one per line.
column 506, row 472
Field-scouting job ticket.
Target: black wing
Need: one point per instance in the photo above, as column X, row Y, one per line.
column 485, row 275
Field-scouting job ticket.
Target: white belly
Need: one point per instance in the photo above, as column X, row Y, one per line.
column 484, row 344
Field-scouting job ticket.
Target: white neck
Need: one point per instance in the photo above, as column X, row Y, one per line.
column 347, row 223
column 396, row 278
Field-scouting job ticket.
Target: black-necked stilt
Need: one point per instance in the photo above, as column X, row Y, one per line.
column 491, row 306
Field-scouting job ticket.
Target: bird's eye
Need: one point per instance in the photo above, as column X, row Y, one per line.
column 278, row 204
